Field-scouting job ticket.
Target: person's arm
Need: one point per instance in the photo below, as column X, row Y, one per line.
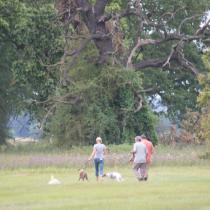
column 134, row 149
column 152, row 149
column 133, row 152
column 92, row 154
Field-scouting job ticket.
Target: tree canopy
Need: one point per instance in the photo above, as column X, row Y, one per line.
column 86, row 68
column 27, row 33
column 158, row 38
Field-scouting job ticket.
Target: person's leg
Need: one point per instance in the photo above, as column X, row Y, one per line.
column 96, row 163
column 147, row 169
column 101, row 168
column 136, row 167
column 143, row 170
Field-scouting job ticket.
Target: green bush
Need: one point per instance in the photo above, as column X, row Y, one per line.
column 106, row 108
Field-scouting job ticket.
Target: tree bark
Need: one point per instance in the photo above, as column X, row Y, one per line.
column 95, row 18
column 90, row 16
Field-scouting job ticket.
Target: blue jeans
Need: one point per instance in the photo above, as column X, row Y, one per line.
column 99, row 166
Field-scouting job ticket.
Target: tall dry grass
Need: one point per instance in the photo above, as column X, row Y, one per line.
column 38, row 156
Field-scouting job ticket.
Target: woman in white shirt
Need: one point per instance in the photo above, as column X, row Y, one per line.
column 98, row 156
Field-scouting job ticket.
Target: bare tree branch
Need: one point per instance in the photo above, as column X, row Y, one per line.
column 49, row 112
column 140, row 102
column 203, row 28
column 171, row 14
column 187, row 64
column 133, row 51
column 170, row 37
column 173, row 50
column 157, row 62
column 124, row 13
column 206, row 40
column 185, row 20
column 169, row 57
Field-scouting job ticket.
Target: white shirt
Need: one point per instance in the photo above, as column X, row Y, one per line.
column 99, row 148
column 140, row 152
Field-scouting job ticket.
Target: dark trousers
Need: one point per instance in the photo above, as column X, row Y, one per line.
column 140, row 170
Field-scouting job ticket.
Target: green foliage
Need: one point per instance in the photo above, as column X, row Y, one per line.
column 4, row 105
column 204, row 79
column 198, row 123
column 177, row 86
column 204, row 100
column 191, row 131
column 29, row 38
column 7, row 96
column 107, row 109
column 205, row 125
column 39, row 43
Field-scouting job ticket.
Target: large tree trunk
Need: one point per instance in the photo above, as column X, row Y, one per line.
column 90, row 15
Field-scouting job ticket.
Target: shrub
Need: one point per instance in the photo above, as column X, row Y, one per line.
column 107, row 106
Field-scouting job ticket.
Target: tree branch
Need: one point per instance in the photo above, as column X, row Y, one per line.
column 203, row 28
column 158, row 62
column 124, row 13
column 100, row 7
column 129, row 61
column 206, row 40
column 140, row 102
column 187, row 64
column 83, row 5
column 170, row 37
column 49, row 112
column 173, row 50
column 171, row 14
column 185, row 20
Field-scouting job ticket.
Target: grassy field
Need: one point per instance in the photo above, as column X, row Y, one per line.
column 179, row 179
column 168, row 187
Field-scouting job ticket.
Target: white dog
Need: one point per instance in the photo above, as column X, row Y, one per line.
column 54, row 181
column 114, row 175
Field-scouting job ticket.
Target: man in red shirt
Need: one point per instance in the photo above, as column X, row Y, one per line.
column 150, row 149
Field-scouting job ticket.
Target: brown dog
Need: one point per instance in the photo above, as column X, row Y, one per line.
column 83, row 175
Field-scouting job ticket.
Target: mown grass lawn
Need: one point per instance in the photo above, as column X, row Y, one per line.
column 167, row 188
